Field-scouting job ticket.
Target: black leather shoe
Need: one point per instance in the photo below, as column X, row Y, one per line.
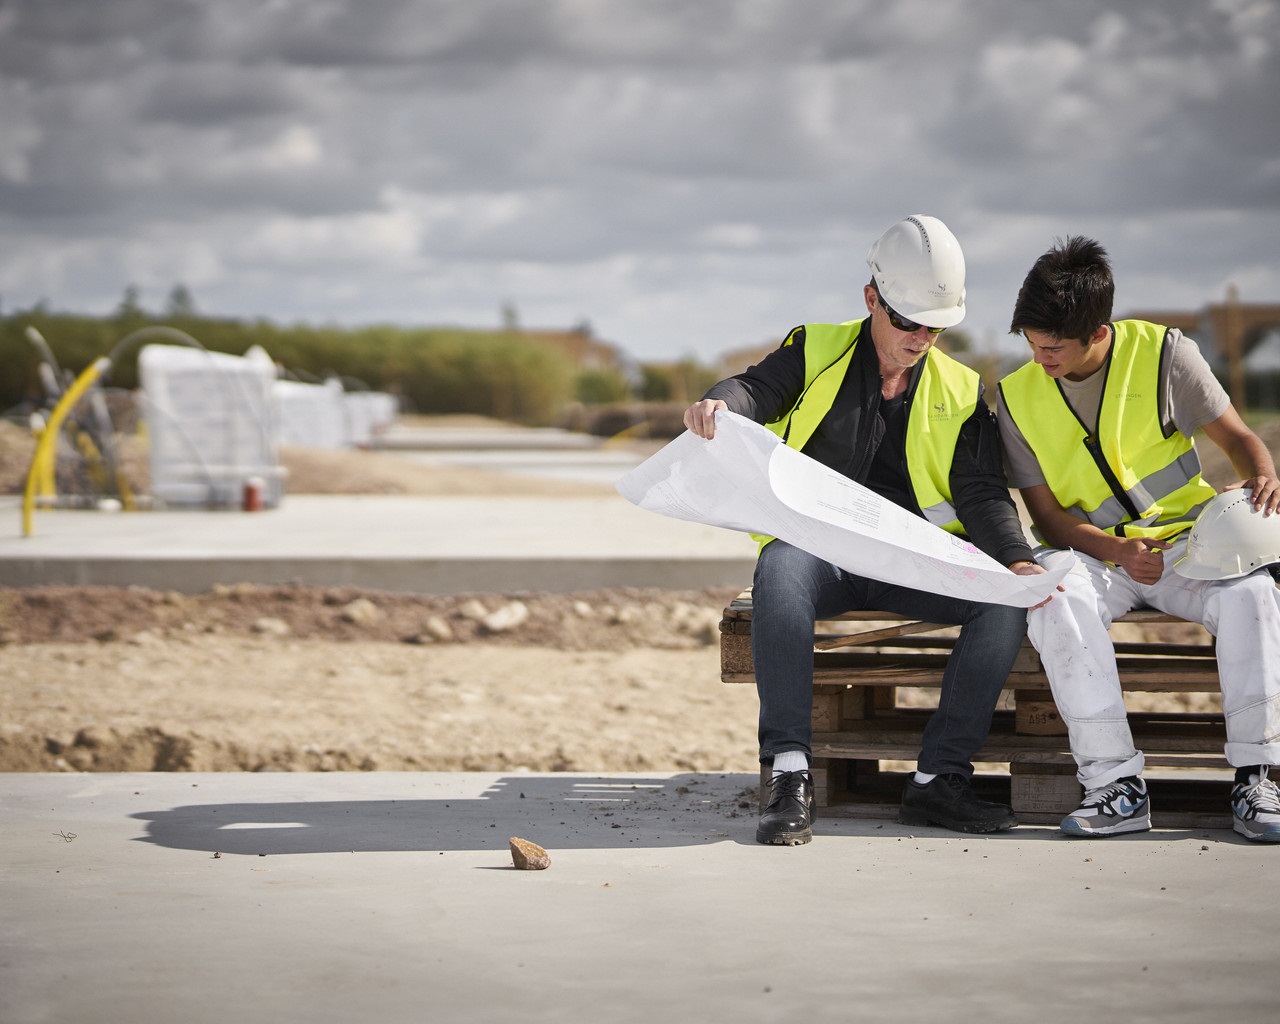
column 789, row 814
column 948, row 801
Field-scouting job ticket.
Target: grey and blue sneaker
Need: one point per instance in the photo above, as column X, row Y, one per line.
column 1121, row 806
column 1255, row 806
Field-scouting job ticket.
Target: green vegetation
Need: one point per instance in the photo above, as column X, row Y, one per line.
column 682, row 382
column 433, row 370
column 510, row 374
column 602, row 387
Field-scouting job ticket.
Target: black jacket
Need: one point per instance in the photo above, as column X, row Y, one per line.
column 847, row 439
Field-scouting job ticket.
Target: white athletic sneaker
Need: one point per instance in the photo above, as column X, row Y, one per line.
column 1255, row 806
column 1122, row 806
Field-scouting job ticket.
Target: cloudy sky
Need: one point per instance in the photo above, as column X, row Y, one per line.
column 688, row 176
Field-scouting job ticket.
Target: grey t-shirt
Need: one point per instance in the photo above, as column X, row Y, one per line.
column 1191, row 398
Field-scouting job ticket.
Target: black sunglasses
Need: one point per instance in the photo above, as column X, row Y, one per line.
column 901, row 322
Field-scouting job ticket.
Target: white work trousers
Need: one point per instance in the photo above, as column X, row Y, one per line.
column 1071, row 635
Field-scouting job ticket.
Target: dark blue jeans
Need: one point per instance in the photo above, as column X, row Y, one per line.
column 793, row 589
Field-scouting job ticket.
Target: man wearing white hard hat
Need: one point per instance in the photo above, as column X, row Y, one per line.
column 1097, row 432
column 875, row 400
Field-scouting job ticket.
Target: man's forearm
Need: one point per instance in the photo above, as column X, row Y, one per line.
column 995, row 529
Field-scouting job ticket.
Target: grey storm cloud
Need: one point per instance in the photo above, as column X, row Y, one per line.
column 690, row 177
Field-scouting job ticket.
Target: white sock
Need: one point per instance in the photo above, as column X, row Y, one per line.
column 924, row 778
column 790, row 761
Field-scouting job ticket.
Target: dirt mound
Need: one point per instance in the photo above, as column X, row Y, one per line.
column 252, row 678
column 247, row 678
column 613, row 620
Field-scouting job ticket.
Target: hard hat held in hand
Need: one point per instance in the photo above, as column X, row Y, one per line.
column 919, row 268
column 1230, row 539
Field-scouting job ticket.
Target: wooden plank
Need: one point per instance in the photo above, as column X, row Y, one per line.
column 740, row 608
column 1194, row 805
column 902, row 638
column 1154, row 759
column 894, row 740
column 1156, row 726
column 1153, row 681
column 927, row 672
column 874, row 635
column 1037, row 717
column 826, row 712
column 891, row 659
column 1149, row 680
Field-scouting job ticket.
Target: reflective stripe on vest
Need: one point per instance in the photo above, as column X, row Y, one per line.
column 945, row 397
column 1129, row 480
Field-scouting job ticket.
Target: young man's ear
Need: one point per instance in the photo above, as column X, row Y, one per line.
column 1100, row 335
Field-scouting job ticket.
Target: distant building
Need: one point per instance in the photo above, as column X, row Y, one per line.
column 1228, row 333
column 1220, row 327
column 1264, row 357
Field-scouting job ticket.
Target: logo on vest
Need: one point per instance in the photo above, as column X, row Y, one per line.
column 938, row 411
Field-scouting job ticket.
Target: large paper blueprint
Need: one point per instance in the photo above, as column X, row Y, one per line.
column 746, row 479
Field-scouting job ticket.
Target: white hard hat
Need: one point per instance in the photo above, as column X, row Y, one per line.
column 1229, row 539
column 919, row 268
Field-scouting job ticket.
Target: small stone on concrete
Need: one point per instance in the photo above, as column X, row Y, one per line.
column 528, row 856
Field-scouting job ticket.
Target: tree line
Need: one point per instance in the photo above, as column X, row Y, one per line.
column 508, row 374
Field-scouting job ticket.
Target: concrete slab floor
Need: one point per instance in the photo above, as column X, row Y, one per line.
column 423, row 545
column 392, row 897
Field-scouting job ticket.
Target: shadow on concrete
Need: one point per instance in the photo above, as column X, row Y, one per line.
column 557, row 813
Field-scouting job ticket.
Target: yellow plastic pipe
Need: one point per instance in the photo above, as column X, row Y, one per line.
column 42, row 462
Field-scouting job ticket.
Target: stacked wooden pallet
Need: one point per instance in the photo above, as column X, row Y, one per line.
column 874, row 674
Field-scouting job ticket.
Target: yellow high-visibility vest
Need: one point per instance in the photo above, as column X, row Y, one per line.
column 1127, row 477
column 946, row 396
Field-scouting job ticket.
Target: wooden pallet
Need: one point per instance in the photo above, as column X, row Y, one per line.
column 863, row 661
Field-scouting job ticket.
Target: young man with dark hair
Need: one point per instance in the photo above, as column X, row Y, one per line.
column 1097, row 433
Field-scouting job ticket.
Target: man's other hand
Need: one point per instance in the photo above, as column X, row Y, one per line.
column 1033, row 569
column 1143, row 559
